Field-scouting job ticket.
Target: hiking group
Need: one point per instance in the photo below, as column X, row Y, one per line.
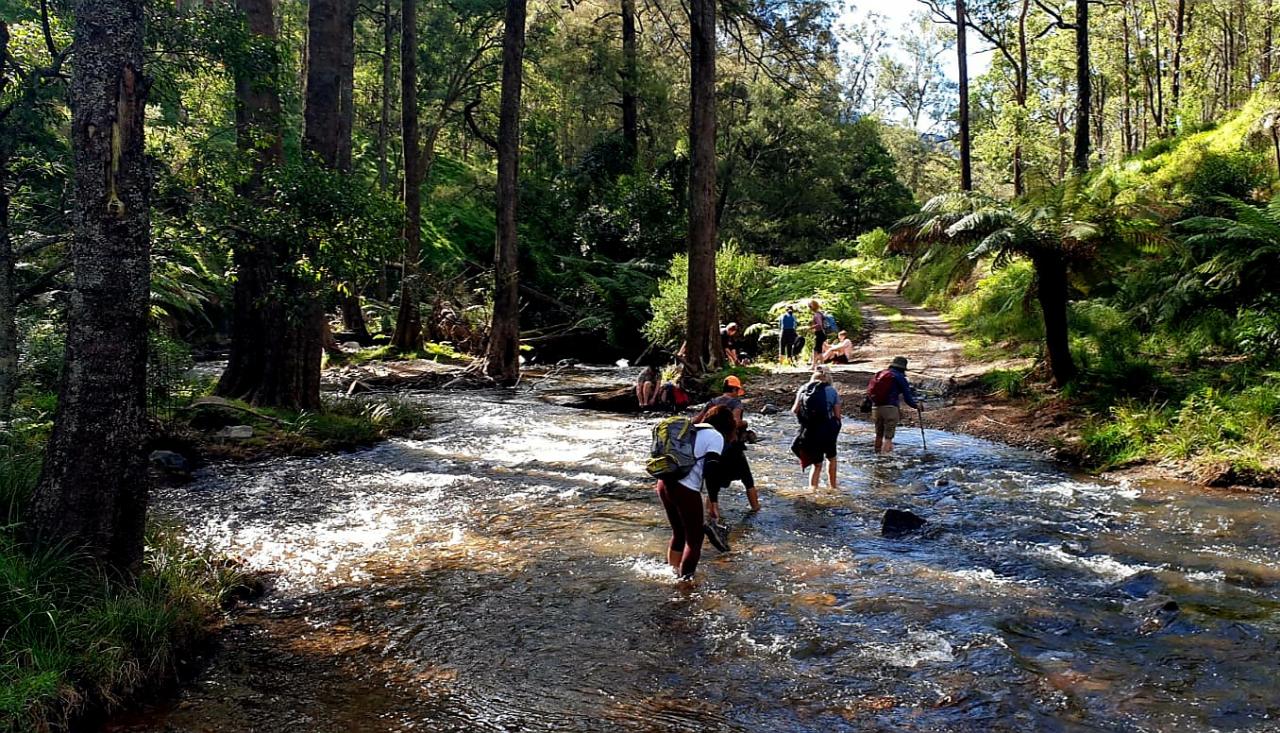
column 708, row 451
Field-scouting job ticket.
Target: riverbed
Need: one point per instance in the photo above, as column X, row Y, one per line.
column 506, row 573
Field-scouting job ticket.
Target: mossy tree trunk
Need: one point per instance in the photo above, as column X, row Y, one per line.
column 276, row 322
column 408, row 333
column 92, row 492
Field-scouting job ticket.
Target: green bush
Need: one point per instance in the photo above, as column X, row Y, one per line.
column 750, row 291
column 1236, row 174
column 1001, row 308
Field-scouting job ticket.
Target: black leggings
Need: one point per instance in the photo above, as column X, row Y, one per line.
column 733, row 467
column 684, row 512
column 791, row 343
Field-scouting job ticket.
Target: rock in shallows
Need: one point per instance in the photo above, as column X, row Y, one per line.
column 900, row 521
column 235, row 432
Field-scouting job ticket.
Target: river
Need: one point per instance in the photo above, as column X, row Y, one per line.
column 505, row 574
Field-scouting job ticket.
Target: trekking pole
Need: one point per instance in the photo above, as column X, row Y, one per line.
column 920, row 419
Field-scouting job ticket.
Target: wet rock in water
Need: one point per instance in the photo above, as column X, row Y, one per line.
column 352, row 346
column 170, row 462
column 1138, row 585
column 1156, row 613
column 942, row 482
column 235, row 432
column 770, row 409
column 899, row 521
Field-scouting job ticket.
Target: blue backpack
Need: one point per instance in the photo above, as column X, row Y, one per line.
column 829, row 323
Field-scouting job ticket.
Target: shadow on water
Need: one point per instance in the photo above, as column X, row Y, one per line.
column 506, row 574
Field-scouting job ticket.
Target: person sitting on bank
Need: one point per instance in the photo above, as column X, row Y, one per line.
column 841, row 352
column 729, row 342
column 733, row 464
column 647, row 388
column 888, row 388
column 788, row 337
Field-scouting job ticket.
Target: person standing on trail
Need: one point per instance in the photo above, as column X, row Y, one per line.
column 818, row 325
column 787, row 336
column 817, row 406
column 887, row 389
column 733, row 463
column 682, row 499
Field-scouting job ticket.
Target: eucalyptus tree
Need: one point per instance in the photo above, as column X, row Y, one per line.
column 92, row 491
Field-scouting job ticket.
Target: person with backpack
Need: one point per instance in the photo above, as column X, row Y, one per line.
column 817, row 407
column 684, row 457
column 818, row 325
column 886, row 390
column 787, row 336
column 734, row 464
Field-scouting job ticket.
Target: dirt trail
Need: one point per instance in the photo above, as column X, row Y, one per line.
column 940, row 369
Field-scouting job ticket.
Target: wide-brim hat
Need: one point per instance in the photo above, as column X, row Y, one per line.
column 899, row 362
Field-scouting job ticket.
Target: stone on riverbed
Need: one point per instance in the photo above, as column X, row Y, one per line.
column 169, row 462
column 770, row 409
column 898, row 522
column 235, row 432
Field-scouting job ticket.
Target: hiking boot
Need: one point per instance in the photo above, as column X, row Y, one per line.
column 718, row 535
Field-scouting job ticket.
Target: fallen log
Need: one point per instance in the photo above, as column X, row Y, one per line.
column 622, row 399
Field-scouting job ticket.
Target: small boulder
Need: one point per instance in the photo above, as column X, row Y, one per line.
column 169, row 462
column 235, row 432
column 944, row 481
column 899, row 521
column 1138, row 585
column 351, row 346
column 770, row 409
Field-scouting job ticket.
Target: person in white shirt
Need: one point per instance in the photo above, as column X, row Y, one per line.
column 841, row 352
column 682, row 500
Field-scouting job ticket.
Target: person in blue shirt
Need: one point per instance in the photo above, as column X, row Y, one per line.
column 887, row 390
column 787, row 344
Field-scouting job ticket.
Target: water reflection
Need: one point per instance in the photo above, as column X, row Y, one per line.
column 506, row 574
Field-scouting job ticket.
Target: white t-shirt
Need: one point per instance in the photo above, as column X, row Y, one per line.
column 843, row 347
column 708, row 440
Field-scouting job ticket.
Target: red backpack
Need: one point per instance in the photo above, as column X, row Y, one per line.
column 880, row 387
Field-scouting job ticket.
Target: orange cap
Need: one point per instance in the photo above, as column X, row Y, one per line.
column 732, row 382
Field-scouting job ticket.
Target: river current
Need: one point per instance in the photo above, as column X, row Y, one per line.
column 506, row 573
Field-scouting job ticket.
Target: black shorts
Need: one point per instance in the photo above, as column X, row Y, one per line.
column 819, row 340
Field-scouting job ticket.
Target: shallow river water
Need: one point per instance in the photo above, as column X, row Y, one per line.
column 506, row 574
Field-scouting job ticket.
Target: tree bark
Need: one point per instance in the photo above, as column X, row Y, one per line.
column 1023, row 73
column 92, row 492
column 503, row 362
column 388, row 88
column 1126, row 117
column 702, row 326
column 8, row 315
column 962, row 63
column 322, row 113
column 1051, row 290
column 1179, row 32
column 1080, row 157
column 276, row 324
column 408, row 333
column 630, row 82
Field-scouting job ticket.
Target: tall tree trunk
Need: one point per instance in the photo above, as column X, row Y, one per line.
column 503, row 362
column 388, row 88
column 1158, row 101
column 630, row 82
column 1021, row 83
column 408, row 333
column 1126, row 117
column 275, row 323
column 1268, row 39
column 962, row 62
column 92, row 493
column 8, row 294
column 1080, row 158
column 1051, row 290
column 329, row 112
column 1179, row 35
column 702, row 325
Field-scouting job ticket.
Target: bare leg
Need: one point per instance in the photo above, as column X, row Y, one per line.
column 713, row 510
column 674, row 558
column 753, row 498
column 831, row 474
column 814, row 472
column 888, row 445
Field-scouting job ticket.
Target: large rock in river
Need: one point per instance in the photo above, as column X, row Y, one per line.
column 897, row 522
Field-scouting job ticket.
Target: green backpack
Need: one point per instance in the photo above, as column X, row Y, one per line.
column 672, row 455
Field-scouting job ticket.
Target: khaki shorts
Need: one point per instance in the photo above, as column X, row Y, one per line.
column 886, row 417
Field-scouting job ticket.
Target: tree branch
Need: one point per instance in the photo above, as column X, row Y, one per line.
column 468, row 115
column 42, row 283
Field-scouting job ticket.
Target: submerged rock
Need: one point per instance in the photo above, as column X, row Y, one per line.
column 900, row 521
column 1138, row 585
column 170, row 462
column 944, row 481
column 770, row 409
column 235, row 432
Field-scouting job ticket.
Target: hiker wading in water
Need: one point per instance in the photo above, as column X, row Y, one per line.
column 887, row 389
column 817, row 406
column 682, row 499
column 734, row 465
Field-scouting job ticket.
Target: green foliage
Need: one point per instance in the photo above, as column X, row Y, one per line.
column 1237, row 174
column 1001, row 308
column 1007, row 382
column 74, row 637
